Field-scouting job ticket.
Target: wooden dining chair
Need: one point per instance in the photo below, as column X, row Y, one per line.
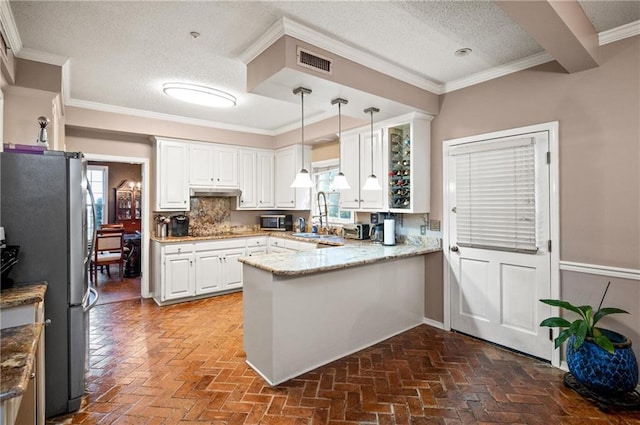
column 109, row 250
column 111, row 226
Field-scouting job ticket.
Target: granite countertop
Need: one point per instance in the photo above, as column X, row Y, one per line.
column 320, row 260
column 17, row 354
column 23, row 294
column 325, row 240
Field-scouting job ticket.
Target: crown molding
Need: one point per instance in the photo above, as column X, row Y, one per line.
column 103, row 107
column 498, row 71
column 287, row 26
column 40, row 56
column 272, row 35
column 625, row 31
column 9, row 27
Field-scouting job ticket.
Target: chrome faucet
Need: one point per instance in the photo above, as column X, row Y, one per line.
column 322, row 195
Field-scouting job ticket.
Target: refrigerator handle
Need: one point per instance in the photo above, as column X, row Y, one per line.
column 87, row 307
column 91, row 250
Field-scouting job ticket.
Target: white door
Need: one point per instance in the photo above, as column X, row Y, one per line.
column 500, row 264
column 371, row 155
column 248, row 170
column 226, row 167
column 179, row 276
column 265, row 180
column 201, row 159
column 208, row 272
column 233, row 269
column 285, row 172
column 350, row 164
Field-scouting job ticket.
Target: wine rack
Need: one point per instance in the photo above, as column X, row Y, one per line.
column 400, row 167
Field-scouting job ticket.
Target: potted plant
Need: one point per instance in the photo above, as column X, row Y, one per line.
column 600, row 359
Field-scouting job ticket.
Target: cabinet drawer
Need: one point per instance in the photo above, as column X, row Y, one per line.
column 181, row 248
column 293, row 245
column 251, row 242
column 220, row 244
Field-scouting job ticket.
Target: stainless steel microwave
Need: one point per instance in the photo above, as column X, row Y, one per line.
column 282, row 222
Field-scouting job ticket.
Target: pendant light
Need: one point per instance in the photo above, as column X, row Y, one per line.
column 372, row 181
column 340, row 181
column 303, row 179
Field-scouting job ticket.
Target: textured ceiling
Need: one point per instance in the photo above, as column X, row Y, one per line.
column 121, row 52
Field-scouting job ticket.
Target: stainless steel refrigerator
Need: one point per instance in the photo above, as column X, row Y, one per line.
column 43, row 210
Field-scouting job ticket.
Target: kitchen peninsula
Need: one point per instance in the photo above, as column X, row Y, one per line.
column 304, row 310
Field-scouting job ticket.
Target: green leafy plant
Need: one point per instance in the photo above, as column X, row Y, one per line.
column 583, row 327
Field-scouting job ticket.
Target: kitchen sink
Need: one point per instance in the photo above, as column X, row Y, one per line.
column 308, row 235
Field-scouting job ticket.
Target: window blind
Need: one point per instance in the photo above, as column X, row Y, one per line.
column 495, row 195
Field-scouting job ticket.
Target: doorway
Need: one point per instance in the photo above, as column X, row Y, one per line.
column 126, row 171
column 500, row 223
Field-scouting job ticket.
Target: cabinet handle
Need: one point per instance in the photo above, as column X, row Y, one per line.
column 185, row 202
column 47, row 322
column 355, row 200
column 32, row 376
column 191, row 262
column 218, row 179
column 292, row 202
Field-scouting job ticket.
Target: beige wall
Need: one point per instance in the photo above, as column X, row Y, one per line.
column 112, row 122
column 599, row 137
column 22, row 107
column 325, row 151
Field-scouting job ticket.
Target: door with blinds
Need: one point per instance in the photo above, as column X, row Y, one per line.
column 500, row 266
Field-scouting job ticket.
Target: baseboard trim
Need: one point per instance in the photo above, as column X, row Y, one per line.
column 597, row 269
column 433, row 323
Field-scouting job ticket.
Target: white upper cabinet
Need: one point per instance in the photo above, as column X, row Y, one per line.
column 256, row 179
column 401, row 161
column 248, row 178
column 356, row 162
column 225, row 166
column 172, row 175
column 213, row 165
column 288, row 161
column 266, row 178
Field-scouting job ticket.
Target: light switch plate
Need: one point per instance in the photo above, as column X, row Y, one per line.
column 423, row 229
column 434, row 225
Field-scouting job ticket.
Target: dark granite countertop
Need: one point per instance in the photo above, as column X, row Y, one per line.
column 17, row 353
column 23, row 294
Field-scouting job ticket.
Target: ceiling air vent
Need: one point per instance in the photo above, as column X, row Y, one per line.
column 313, row 61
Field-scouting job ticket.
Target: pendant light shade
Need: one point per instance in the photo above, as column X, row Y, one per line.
column 303, row 178
column 340, row 181
column 372, row 182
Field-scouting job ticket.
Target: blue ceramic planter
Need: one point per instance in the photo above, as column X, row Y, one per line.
column 601, row 371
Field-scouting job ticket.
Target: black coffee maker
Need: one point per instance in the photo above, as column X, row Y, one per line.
column 179, row 225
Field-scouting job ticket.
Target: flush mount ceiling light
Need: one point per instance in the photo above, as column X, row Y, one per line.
column 465, row 51
column 372, row 182
column 303, row 179
column 340, row 181
column 200, row 95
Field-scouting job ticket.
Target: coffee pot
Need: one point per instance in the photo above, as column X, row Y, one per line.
column 377, row 233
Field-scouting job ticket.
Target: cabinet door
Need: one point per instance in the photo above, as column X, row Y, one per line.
column 226, row 167
column 178, row 272
column 201, row 160
column 248, row 179
column 232, row 269
column 172, row 176
column 285, row 172
column 265, row 182
column 350, row 164
column 208, row 272
column 372, row 199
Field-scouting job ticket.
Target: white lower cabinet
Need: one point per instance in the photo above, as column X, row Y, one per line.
column 178, row 274
column 184, row 271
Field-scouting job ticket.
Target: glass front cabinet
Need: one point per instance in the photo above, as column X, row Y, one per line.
column 408, row 147
column 129, row 206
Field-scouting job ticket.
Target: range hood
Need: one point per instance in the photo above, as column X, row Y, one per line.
column 214, row 191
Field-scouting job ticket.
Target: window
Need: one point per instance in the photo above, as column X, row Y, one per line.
column 98, row 176
column 323, row 174
column 496, row 199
